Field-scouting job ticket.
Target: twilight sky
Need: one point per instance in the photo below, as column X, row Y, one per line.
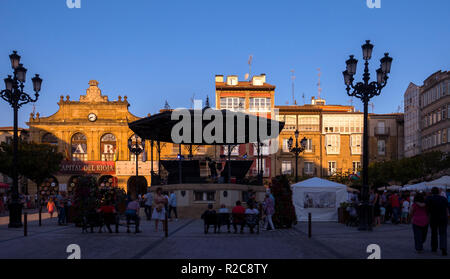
column 157, row 50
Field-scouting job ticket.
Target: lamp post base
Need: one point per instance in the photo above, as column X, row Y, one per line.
column 365, row 217
column 15, row 214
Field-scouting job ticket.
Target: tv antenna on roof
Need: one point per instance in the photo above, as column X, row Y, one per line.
column 192, row 100
column 294, row 102
column 319, row 89
column 373, row 107
column 250, row 59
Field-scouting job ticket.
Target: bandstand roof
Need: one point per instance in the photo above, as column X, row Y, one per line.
column 158, row 127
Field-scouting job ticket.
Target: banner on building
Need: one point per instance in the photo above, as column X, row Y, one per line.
column 129, row 167
column 87, row 167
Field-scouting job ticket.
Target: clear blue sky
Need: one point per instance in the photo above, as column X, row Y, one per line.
column 157, row 50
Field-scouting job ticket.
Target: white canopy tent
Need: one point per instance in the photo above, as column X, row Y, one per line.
column 415, row 187
column 320, row 197
column 443, row 182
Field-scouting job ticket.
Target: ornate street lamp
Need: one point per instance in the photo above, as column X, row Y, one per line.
column 365, row 91
column 297, row 149
column 16, row 97
column 136, row 149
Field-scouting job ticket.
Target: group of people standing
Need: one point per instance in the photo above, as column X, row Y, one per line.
column 60, row 204
column 430, row 212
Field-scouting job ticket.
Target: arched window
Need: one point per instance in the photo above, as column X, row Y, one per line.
column 79, row 147
column 108, row 147
column 50, row 139
column 133, row 156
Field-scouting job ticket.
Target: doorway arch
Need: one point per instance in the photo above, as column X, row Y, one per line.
column 137, row 186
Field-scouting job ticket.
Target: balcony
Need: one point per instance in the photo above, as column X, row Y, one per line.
column 381, row 131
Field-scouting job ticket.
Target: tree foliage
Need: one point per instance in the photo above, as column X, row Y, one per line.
column 404, row 170
column 35, row 162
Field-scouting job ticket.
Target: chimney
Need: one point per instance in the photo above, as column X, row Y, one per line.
column 232, row 80
column 263, row 77
column 258, row 80
column 219, row 78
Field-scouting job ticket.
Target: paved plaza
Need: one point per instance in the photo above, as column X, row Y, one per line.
column 187, row 241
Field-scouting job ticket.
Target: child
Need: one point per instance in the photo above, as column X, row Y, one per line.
column 382, row 214
column 51, row 207
column 210, row 218
column 405, row 212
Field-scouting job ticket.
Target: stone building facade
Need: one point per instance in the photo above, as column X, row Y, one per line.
column 334, row 139
column 386, row 137
column 412, row 120
column 435, row 112
column 255, row 97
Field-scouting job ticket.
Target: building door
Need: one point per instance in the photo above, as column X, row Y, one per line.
column 136, row 187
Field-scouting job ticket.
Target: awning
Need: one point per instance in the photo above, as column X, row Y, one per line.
column 4, row 185
column 159, row 127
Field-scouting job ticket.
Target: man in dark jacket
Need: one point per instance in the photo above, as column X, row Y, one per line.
column 437, row 207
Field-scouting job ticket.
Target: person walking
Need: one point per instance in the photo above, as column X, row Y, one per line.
column 395, row 205
column 419, row 220
column 437, row 207
column 269, row 210
column 159, row 210
column 51, row 207
column 405, row 211
column 2, row 205
column 173, row 205
column 377, row 209
column 148, row 203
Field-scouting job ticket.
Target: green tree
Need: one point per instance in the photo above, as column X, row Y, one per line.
column 35, row 162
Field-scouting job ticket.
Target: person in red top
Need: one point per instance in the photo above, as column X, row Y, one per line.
column 108, row 211
column 238, row 213
column 419, row 220
column 395, row 204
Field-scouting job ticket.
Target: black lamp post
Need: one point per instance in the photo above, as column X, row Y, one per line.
column 296, row 150
column 16, row 97
column 136, row 149
column 365, row 91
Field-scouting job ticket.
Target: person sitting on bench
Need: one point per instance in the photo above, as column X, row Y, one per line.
column 252, row 215
column 223, row 218
column 132, row 213
column 108, row 212
column 238, row 213
column 210, row 218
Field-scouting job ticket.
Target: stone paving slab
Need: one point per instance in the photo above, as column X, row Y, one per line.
column 187, row 241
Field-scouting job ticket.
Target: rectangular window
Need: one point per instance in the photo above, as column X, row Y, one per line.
column 381, row 147
column 234, row 150
column 331, row 168
column 285, row 145
column 356, row 144
column 206, row 196
column 259, row 104
column 309, row 168
column 286, row 167
column 264, row 149
column 308, row 123
column 356, row 166
column 309, row 146
column 232, row 103
column 333, row 144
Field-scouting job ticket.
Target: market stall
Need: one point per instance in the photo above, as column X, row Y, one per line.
column 320, row 197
